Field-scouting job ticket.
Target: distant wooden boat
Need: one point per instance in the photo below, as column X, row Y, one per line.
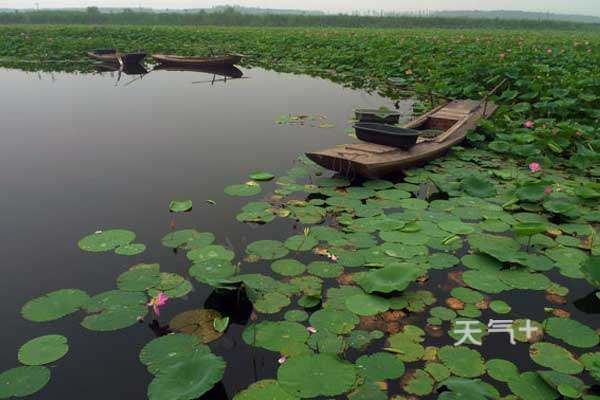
column 452, row 121
column 114, row 56
column 216, row 61
column 387, row 135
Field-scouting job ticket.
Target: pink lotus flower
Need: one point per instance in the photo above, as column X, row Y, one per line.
column 332, row 257
column 529, row 124
column 548, row 190
column 157, row 302
column 535, row 167
column 578, row 134
column 311, row 329
column 549, row 51
column 282, row 359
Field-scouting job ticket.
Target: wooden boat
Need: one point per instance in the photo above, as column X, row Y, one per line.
column 380, row 116
column 387, row 135
column 114, row 56
column 226, row 71
column 372, row 160
column 216, row 61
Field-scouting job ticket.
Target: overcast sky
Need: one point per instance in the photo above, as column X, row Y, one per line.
column 590, row 7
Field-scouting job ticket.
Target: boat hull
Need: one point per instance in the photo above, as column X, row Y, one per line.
column 386, row 135
column 206, row 62
column 372, row 160
column 127, row 58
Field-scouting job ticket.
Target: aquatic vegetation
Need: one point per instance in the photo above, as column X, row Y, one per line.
column 23, row 381
column 178, row 206
column 158, row 301
column 101, row 241
column 54, row 305
column 43, row 350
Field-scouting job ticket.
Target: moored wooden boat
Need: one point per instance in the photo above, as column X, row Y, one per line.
column 370, row 160
column 216, row 61
column 114, row 56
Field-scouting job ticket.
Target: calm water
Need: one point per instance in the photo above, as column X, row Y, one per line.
column 78, row 153
column 85, row 152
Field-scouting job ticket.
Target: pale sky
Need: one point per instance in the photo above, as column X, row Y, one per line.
column 589, row 7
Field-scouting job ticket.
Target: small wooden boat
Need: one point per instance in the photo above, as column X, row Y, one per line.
column 451, row 122
column 381, row 116
column 387, row 135
column 216, row 61
column 114, row 56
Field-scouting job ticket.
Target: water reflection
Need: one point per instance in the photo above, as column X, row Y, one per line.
column 589, row 304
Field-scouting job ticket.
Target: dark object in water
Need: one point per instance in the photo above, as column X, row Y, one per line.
column 214, row 61
column 372, row 160
column 225, row 71
column 381, row 116
column 114, row 56
column 387, row 135
column 127, row 69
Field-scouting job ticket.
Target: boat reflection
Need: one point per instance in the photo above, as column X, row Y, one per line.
column 225, row 73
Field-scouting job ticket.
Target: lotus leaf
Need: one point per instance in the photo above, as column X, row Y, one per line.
column 300, row 243
column 23, row 381
column 296, row 316
column 43, row 350
column 182, row 237
column 571, row 332
column 275, row 336
column 267, row 249
column 261, row 176
column 339, row 322
column 271, row 303
column 364, row 304
column 500, row 307
column 462, row 361
column 419, row 383
column 485, row 281
column 54, row 305
column 102, row 241
column 139, row 279
column 380, row 366
column 478, row 186
column 246, row 189
column 212, row 271
column 368, row 391
column 468, row 389
column 327, row 342
column 210, row 252
column 198, row 322
column 389, row 279
column 325, row 269
column 163, row 352
column 564, row 383
column 437, row 371
column 188, row 378
column 131, row 249
column 555, row 357
column 530, row 386
column 288, row 267
column 180, row 206
column 502, row 370
column 263, row 390
column 308, row 376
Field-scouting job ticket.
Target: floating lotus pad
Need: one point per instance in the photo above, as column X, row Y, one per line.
column 389, row 279
column 309, row 376
column 210, row 252
column 261, row 176
column 327, row 342
column 271, row 303
column 300, row 243
column 530, row 386
column 459, row 388
column 364, row 304
column 339, row 322
column 102, row 241
column 380, row 366
column 180, row 205
column 139, row 278
column 419, row 383
column 502, row 370
column 263, row 390
column 131, row 249
column 267, row 249
column 43, row 350
column 555, row 357
column 462, row 361
column 296, row 316
column 23, row 381
column 243, row 190
column 54, row 305
column 182, row 237
column 324, row 269
column 198, row 322
column 288, row 267
column 276, row 336
column 571, row 332
column 163, row 352
column 189, row 378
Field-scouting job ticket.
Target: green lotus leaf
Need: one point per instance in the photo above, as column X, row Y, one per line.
column 114, row 318
column 442, row 261
column 499, row 247
column 478, row 186
column 415, row 301
column 275, row 336
column 481, row 262
column 563, row 207
column 368, row 391
column 359, row 339
column 300, row 243
column 591, row 269
column 102, row 241
column 115, row 299
column 443, row 313
column 502, row 370
column 309, row 376
column 530, row 386
column 437, row 371
column 456, row 227
column 520, row 279
column 23, row 381
column 267, row 249
column 332, row 182
column 243, row 190
column 529, row 228
column 500, row 307
column 462, row 361
column 288, row 267
column 393, row 194
column 139, row 279
column 180, row 238
column 325, row 269
column 571, row 332
column 163, row 352
column 336, row 296
column 327, row 342
column 308, row 285
column 131, row 249
column 572, row 386
column 221, row 324
column 389, row 279
column 180, row 206
column 271, row 303
column 416, row 238
column 419, row 383
column 468, row 389
column 532, row 191
column 485, row 281
column 339, row 322
column 380, row 366
column 263, row 390
column 212, row 271
column 198, row 322
column 296, row 316
column 187, row 379
column 261, row 176
column 212, row 251
column 377, row 184
column 54, row 305
column 406, row 345
column 555, row 357
column 43, row 350
column 495, row 226
column 364, row 304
